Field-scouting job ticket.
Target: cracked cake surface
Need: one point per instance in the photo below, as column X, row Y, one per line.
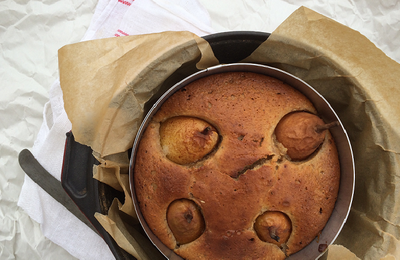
column 244, row 175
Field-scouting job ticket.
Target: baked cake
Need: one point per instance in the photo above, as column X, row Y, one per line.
column 213, row 181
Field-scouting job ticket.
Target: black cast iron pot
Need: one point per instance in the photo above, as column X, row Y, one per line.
column 229, row 48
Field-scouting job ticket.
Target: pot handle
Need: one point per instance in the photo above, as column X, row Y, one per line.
column 78, row 182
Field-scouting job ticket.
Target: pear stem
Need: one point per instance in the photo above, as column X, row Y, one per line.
column 272, row 234
column 321, row 128
column 206, row 131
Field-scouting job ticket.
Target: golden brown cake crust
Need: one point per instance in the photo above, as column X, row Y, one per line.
column 245, row 176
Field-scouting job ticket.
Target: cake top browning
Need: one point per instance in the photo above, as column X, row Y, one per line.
column 256, row 202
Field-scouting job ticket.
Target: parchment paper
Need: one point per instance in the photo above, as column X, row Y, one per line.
column 362, row 85
column 107, row 82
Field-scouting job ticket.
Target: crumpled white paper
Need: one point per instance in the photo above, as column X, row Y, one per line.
column 31, row 31
column 379, row 20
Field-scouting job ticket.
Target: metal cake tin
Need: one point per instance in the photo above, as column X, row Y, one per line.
column 316, row 248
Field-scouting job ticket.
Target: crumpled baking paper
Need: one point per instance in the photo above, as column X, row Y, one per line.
column 362, row 85
column 107, row 82
column 106, row 110
column 359, row 80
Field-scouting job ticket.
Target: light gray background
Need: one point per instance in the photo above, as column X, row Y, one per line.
column 32, row 31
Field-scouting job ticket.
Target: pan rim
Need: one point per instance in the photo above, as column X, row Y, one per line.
column 344, row 201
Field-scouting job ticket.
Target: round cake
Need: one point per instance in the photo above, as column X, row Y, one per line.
column 236, row 165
